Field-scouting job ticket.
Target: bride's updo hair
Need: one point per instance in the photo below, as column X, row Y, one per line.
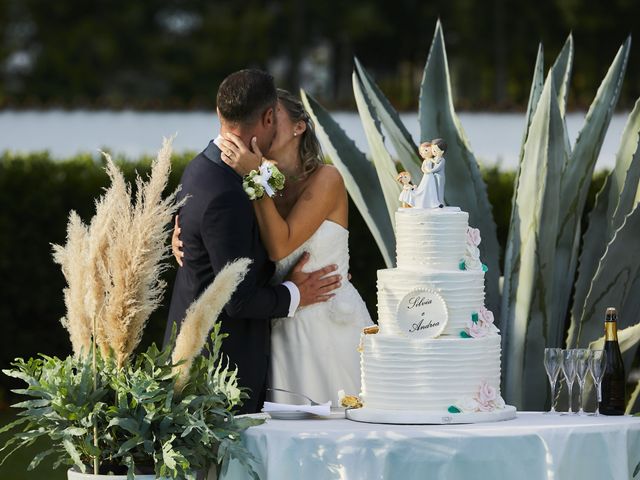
column 310, row 150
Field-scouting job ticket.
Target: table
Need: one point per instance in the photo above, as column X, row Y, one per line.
column 532, row 446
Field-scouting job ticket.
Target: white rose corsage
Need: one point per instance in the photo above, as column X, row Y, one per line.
column 267, row 179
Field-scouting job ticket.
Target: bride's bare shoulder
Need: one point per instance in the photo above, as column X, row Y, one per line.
column 327, row 177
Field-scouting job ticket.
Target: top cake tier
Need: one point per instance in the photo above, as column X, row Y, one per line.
column 430, row 239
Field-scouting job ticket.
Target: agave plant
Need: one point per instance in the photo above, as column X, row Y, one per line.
column 547, row 258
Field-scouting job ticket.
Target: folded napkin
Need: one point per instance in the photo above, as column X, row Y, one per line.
column 323, row 409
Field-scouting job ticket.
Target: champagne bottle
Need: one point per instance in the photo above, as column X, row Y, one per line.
column 613, row 380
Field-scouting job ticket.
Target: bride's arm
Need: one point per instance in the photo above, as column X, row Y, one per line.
column 426, row 166
column 316, row 202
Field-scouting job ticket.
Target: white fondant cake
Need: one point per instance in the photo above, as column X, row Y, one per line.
column 429, row 374
column 463, row 291
column 458, row 372
column 432, row 239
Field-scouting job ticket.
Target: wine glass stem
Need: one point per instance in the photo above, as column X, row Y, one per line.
column 599, row 397
column 570, row 387
column 580, row 394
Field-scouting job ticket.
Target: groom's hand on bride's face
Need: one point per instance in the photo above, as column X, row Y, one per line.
column 315, row 287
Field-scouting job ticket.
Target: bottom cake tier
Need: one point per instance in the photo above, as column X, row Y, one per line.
column 446, row 374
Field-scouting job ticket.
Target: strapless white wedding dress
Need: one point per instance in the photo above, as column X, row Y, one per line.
column 315, row 352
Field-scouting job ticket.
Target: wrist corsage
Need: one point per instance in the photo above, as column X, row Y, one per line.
column 268, row 179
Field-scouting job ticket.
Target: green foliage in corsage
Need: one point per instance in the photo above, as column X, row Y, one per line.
column 268, row 179
column 277, row 178
column 143, row 424
column 253, row 188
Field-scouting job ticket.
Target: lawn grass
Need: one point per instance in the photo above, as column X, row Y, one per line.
column 15, row 468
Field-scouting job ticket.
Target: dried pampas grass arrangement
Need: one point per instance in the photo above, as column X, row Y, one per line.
column 113, row 265
column 201, row 316
column 77, row 322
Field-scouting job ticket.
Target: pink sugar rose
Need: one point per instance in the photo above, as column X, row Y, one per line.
column 473, row 236
column 478, row 330
column 487, row 394
column 485, row 315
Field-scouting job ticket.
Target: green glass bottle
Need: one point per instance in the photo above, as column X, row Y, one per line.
column 613, row 380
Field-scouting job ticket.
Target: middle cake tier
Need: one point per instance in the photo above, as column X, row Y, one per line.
column 462, row 291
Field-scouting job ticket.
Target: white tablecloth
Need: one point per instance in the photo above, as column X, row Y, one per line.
column 532, row 446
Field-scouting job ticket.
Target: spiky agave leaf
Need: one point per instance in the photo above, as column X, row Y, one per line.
column 576, row 178
column 382, row 161
column 614, row 202
column 561, row 72
column 613, row 281
column 468, row 191
column 538, row 194
column 359, row 176
column 397, row 132
column 512, row 249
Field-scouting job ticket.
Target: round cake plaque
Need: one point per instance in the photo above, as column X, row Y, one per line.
column 422, row 313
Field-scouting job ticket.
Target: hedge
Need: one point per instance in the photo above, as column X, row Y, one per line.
column 36, row 194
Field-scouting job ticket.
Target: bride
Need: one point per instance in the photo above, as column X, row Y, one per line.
column 315, row 351
column 430, row 191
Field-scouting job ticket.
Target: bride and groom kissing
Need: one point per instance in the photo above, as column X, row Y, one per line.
column 294, row 322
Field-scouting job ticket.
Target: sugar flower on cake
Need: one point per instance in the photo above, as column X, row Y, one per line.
column 471, row 258
column 480, row 325
column 486, row 399
column 473, row 236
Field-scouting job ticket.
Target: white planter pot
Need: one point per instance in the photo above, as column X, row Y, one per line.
column 73, row 475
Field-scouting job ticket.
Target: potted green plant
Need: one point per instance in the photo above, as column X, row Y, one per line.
column 111, row 412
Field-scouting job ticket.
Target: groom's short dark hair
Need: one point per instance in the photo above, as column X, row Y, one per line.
column 244, row 95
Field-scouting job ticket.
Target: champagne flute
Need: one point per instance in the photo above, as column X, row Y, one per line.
column 597, row 366
column 553, row 364
column 569, row 372
column 582, row 367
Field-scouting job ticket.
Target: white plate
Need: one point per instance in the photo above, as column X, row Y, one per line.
column 288, row 415
column 336, row 413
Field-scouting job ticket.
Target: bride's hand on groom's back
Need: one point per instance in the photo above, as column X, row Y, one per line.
column 315, row 287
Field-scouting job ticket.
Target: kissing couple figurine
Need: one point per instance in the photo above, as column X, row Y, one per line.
column 430, row 192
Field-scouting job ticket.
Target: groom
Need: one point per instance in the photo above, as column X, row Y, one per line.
column 218, row 226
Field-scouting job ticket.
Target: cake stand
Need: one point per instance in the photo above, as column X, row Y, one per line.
column 421, row 417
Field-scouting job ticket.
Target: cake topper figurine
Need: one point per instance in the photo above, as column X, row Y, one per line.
column 406, row 195
column 430, row 192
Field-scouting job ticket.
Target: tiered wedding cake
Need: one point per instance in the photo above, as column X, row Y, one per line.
column 436, row 356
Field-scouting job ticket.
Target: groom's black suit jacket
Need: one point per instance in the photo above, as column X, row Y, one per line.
column 218, row 226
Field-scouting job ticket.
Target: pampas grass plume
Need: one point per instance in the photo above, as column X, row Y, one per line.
column 202, row 315
column 70, row 258
column 113, row 267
